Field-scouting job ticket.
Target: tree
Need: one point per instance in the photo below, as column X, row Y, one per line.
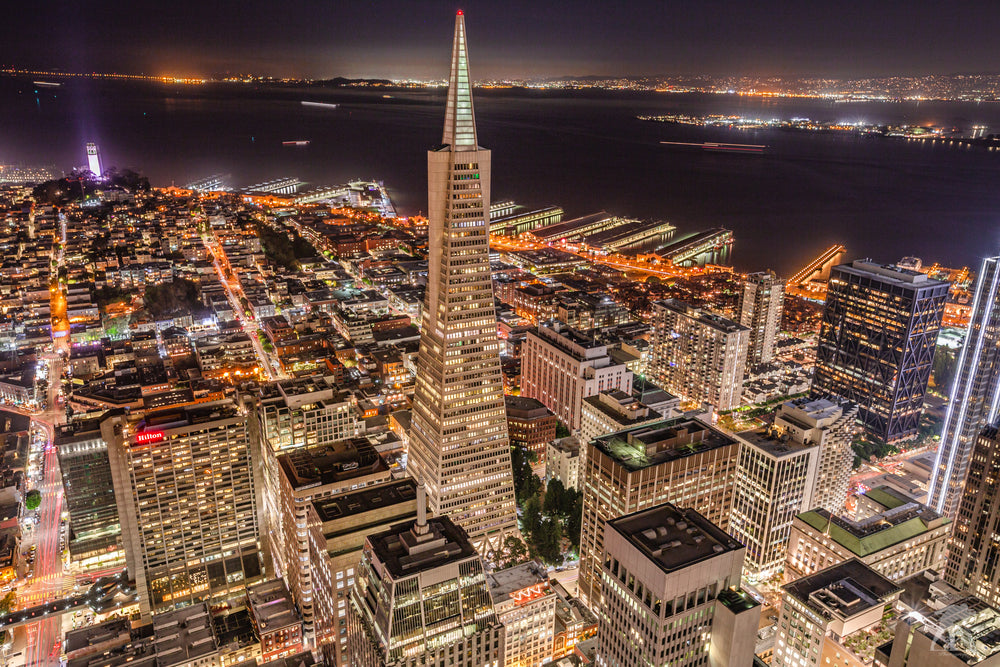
column 531, row 517
column 562, row 431
column 547, row 542
column 7, row 602
column 526, row 483
column 32, row 500
column 513, row 552
column 554, row 497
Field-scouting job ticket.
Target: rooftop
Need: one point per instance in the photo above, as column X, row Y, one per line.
column 888, row 497
column 330, row 463
column 777, row 446
column 891, row 274
column 185, row 416
column 863, row 538
column 969, row 629
column 718, row 322
column 404, row 554
column 348, row 505
column 672, row 537
column 271, row 605
column 653, row 444
column 844, row 590
column 184, row 635
column 506, row 584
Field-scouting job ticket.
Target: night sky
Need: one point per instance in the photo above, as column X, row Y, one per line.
column 508, row 38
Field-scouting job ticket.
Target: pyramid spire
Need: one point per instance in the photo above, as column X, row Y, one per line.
column 459, row 118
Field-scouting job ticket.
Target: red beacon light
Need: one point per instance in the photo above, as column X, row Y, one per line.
column 461, row 13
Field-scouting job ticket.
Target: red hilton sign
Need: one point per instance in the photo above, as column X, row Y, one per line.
column 146, row 437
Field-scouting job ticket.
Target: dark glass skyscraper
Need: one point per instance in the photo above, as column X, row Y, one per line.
column 876, row 345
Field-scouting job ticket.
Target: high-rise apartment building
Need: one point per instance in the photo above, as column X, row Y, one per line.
column 458, row 435
column 525, row 604
column 681, row 461
column 561, row 366
column 774, row 482
column 421, row 597
column 612, row 411
column 338, row 526
column 95, row 534
column 307, row 475
column 826, row 617
column 670, row 581
column 897, row 543
column 974, row 553
column 830, row 426
column 698, row 355
column 762, row 302
column 289, row 415
column 186, row 501
column 975, row 395
column 876, row 344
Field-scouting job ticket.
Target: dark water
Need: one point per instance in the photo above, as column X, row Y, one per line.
column 584, row 151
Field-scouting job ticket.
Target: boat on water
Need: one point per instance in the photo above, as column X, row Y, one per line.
column 718, row 147
column 47, row 84
column 322, row 105
column 300, row 142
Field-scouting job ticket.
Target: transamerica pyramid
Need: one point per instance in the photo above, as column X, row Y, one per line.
column 458, row 439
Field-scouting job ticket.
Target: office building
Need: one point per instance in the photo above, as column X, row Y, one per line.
column 681, row 461
column 338, row 526
column 697, row 355
column 530, row 424
column 307, row 475
column 829, row 426
column 775, row 479
column 420, row 597
column 974, row 553
column 613, row 411
column 963, row 634
column 762, row 302
column 975, row 394
column 95, row 534
column 562, row 461
column 561, row 366
column 876, row 344
column 525, row 604
column 458, row 435
column 670, row 583
column 897, row 543
column 574, row 622
column 826, row 617
column 186, row 502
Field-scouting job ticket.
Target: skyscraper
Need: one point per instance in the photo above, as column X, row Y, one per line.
column 458, row 439
column 682, row 461
column 185, row 497
column 94, row 159
column 421, row 598
column 975, row 395
column 761, row 304
column 975, row 543
column 876, row 344
column 670, row 582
